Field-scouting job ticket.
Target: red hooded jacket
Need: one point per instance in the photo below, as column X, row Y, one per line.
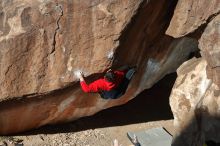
column 102, row 84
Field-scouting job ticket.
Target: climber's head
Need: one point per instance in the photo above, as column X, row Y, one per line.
column 109, row 76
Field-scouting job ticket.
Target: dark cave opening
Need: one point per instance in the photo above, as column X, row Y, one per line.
column 150, row 105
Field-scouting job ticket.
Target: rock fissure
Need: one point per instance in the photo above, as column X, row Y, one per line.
column 57, row 28
column 8, row 68
column 215, row 67
column 45, row 59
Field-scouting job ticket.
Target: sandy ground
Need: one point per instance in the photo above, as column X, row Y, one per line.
column 90, row 137
column 149, row 109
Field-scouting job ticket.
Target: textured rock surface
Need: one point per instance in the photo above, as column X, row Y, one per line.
column 195, row 97
column 210, row 46
column 189, row 15
column 43, row 42
column 195, row 103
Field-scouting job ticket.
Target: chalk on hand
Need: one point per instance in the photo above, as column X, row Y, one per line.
column 77, row 73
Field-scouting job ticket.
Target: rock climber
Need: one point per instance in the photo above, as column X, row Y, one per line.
column 112, row 85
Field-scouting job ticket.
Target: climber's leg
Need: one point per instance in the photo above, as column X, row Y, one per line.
column 109, row 94
column 130, row 73
column 124, row 85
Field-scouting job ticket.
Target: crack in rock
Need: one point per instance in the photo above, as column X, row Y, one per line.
column 214, row 67
column 56, row 30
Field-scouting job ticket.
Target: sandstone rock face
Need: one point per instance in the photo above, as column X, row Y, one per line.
column 189, row 15
column 195, row 99
column 195, row 103
column 210, row 46
column 43, row 42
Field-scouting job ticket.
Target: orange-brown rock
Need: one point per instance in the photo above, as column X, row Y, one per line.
column 43, row 42
column 189, row 15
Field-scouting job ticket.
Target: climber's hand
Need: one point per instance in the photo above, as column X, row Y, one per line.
column 79, row 75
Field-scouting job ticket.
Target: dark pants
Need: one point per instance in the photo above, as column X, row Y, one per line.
column 121, row 89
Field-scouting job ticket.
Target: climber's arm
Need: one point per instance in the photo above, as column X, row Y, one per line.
column 93, row 87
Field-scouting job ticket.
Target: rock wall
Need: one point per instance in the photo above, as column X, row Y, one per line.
column 195, row 105
column 43, row 42
column 210, row 49
column 189, row 15
column 195, row 95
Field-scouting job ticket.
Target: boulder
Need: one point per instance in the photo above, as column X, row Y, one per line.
column 209, row 44
column 189, row 15
column 43, row 42
column 194, row 98
column 195, row 103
